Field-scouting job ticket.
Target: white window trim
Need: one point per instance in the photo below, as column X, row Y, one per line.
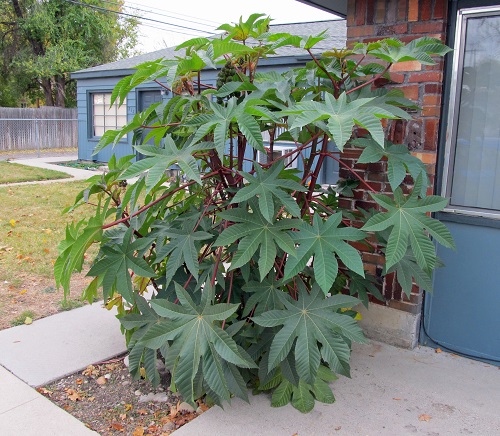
column 451, row 130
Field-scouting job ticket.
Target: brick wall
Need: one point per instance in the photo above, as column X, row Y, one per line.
column 370, row 20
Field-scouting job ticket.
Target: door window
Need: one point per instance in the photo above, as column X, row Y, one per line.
column 472, row 181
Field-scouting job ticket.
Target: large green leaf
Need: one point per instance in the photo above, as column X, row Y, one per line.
column 325, row 240
column 399, row 161
column 254, row 231
column 265, row 295
column 407, row 215
column 160, row 159
column 307, row 323
column 181, row 247
column 201, row 343
column 115, row 263
column 269, row 188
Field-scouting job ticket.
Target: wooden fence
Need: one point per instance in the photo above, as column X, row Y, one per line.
column 38, row 129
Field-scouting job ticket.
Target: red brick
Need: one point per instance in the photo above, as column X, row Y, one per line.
column 431, row 134
column 430, row 27
column 440, row 7
column 351, row 13
column 360, row 12
column 433, row 88
column 380, row 12
column 431, row 111
column 425, row 9
column 413, row 10
column 406, row 66
column 428, row 76
column 397, row 77
column 358, row 31
column 366, row 205
column 432, row 99
column 370, row 11
column 345, row 203
column 402, row 9
column 411, row 91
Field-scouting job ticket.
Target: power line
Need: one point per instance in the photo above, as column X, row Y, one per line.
column 98, row 8
column 150, row 11
column 177, row 13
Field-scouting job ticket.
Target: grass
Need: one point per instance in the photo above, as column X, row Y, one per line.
column 19, row 320
column 13, row 173
column 31, row 226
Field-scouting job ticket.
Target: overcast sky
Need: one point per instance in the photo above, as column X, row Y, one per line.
column 199, row 17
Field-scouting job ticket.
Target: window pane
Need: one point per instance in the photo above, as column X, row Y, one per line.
column 476, row 172
column 105, row 117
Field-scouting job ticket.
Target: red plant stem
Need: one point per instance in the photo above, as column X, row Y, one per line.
column 229, row 294
column 334, row 82
column 363, row 182
column 163, row 86
column 158, row 200
column 369, row 82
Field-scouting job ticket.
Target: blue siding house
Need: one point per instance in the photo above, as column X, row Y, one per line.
column 94, row 87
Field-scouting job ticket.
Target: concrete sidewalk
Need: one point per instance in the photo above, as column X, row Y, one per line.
column 50, row 163
column 48, row 349
column 392, row 392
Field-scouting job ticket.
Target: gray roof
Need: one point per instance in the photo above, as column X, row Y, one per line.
column 336, row 38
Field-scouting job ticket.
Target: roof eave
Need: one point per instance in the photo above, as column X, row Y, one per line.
column 338, row 7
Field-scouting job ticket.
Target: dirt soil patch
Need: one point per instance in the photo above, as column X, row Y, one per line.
column 107, row 400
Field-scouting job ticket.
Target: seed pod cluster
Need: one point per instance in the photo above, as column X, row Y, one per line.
column 227, row 74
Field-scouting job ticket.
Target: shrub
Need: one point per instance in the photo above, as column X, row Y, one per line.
column 250, row 261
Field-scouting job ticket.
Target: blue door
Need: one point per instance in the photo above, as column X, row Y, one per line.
column 463, row 312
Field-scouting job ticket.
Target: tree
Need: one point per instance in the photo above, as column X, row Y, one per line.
column 43, row 41
column 253, row 267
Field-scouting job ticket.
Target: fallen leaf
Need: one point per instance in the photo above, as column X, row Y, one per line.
column 438, row 350
column 23, row 292
column 123, row 416
column 397, row 399
column 153, row 428
column 424, row 417
column 143, row 372
column 117, row 426
column 48, row 231
column 73, row 395
column 45, row 391
column 28, row 320
column 12, row 223
column 91, row 399
column 46, row 250
column 79, row 381
column 128, row 407
column 139, row 431
column 142, row 412
column 338, row 428
column 91, row 370
column 101, row 381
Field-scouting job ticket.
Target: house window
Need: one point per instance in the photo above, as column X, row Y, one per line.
column 472, row 160
column 106, row 116
column 278, row 151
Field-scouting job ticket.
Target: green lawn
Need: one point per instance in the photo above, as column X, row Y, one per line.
column 31, row 227
column 12, row 173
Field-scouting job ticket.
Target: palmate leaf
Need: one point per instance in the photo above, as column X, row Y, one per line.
column 308, row 323
column 199, row 343
column 302, row 395
column 265, row 295
column 115, row 263
column 269, row 188
column 399, row 161
column 324, row 240
column 180, row 248
column 407, row 215
column 407, row 270
column 254, row 231
column 160, row 159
